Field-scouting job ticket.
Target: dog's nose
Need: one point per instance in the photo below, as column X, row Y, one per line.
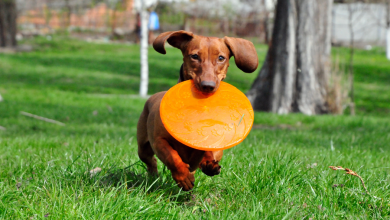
column 207, row 86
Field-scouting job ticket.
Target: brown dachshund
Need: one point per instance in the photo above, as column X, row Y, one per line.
column 206, row 61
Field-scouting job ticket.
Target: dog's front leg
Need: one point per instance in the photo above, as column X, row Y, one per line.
column 180, row 170
column 210, row 163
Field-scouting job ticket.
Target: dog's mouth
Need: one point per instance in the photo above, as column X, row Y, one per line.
column 204, row 86
column 205, row 93
column 208, row 93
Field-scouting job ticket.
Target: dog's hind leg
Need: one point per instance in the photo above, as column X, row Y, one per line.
column 146, row 154
column 145, row 151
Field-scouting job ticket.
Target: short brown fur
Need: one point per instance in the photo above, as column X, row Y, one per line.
column 206, row 61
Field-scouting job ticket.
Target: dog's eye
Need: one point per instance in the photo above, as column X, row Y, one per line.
column 221, row 58
column 194, row 56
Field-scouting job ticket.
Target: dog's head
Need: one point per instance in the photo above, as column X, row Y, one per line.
column 206, row 59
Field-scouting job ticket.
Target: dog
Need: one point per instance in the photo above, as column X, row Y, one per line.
column 205, row 61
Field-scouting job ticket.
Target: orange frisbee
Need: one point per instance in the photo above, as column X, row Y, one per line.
column 206, row 122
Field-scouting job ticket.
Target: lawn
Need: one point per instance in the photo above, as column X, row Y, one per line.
column 279, row 172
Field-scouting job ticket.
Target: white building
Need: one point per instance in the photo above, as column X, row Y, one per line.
column 368, row 23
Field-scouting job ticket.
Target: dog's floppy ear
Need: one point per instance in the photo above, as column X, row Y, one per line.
column 244, row 53
column 175, row 38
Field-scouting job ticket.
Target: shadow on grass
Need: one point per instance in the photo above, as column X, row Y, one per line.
column 169, row 68
column 131, row 178
column 59, row 72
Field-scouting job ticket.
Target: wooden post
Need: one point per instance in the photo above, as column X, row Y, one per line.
column 144, row 14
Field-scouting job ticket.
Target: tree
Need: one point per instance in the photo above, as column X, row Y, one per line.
column 352, row 13
column 355, row 15
column 296, row 70
column 388, row 29
column 7, row 23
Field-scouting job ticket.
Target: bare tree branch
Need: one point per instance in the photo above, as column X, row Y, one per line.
column 42, row 118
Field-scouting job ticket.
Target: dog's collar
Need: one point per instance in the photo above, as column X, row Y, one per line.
column 181, row 77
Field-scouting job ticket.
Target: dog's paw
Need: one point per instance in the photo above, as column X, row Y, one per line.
column 153, row 171
column 210, row 168
column 152, row 167
column 184, row 178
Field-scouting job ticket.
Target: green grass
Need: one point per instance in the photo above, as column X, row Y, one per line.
column 372, row 80
column 279, row 171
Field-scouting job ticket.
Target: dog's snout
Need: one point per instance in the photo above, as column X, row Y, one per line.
column 207, row 86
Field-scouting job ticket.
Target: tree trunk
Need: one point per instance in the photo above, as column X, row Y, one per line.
column 388, row 42
column 388, row 29
column 113, row 21
column 351, row 12
column 265, row 22
column 68, row 14
column 7, row 23
column 295, row 73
